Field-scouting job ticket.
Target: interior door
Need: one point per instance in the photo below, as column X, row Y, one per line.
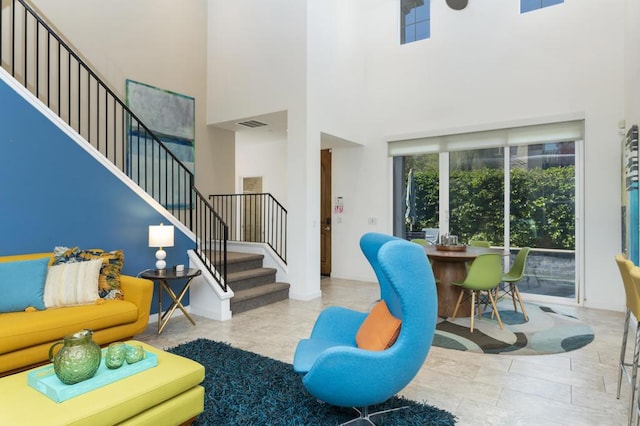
column 325, row 212
column 252, row 209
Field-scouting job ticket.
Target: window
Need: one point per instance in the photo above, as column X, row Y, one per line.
column 542, row 215
column 476, row 190
column 515, row 187
column 416, row 20
column 426, row 189
column 529, row 5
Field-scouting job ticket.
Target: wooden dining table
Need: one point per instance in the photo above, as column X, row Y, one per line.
column 451, row 265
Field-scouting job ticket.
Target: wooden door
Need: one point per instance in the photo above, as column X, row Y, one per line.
column 325, row 212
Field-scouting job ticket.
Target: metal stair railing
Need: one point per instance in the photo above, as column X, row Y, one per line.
column 254, row 218
column 43, row 62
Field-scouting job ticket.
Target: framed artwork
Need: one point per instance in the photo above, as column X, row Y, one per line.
column 170, row 117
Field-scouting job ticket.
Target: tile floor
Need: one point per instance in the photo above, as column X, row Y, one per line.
column 574, row 388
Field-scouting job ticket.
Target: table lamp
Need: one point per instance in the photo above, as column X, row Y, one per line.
column 160, row 236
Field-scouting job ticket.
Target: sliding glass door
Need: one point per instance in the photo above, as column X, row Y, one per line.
column 542, row 215
column 516, row 196
column 476, row 195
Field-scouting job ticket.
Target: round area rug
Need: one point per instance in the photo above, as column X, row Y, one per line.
column 548, row 331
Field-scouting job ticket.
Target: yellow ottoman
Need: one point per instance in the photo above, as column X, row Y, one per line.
column 168, row 394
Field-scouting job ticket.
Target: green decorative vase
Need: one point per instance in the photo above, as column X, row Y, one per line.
column 78, row 359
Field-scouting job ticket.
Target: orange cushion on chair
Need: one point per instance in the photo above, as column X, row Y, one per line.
column 379, row 330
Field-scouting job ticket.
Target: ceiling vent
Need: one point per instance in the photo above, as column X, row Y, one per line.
column 252, row 124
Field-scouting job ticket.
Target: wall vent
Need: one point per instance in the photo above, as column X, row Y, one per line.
column 252, row 123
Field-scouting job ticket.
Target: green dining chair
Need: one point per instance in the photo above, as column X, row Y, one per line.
column 485, row 273
column 480, row 243
column 512, row 278
column 477, row 243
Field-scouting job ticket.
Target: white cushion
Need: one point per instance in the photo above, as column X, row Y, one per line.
column 72, row 283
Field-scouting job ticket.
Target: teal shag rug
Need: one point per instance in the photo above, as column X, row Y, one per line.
column 244, row 388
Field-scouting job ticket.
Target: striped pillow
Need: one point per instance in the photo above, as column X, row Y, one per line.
column 72, row 283
column 112, row 261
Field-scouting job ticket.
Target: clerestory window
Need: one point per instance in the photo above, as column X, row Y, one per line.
column 415, row 20
column 529, row 5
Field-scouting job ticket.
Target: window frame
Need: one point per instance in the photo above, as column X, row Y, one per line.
column 404, row 26
column 560, row 131
column 531, row 5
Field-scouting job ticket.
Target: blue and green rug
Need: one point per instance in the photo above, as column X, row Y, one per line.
column 244, row 388
column 548, row 331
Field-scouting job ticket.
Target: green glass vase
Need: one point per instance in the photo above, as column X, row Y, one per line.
column 78, row 359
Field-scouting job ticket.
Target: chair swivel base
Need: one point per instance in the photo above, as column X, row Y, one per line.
column 365, row 417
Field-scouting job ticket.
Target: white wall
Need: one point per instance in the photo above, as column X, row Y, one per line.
column 157, row 42
column 217, row 171
column 256, row 57
column 257, row 64
column 263, row 154
column 632, row 65
column 337, row 73
column 360, row 176
column 490, row 64
column 486, row 67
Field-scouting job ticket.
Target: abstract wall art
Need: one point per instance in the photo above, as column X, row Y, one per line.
column 170, row 117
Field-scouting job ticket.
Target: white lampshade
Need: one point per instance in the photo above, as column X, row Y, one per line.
column 160, row 236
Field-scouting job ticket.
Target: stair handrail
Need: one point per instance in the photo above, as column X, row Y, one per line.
column 117, row 133
column 254, row 217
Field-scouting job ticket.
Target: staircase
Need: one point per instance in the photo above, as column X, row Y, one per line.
column 253, row 285
column 62, row 81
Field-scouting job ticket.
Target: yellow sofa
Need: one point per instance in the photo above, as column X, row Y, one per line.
column 25, row 337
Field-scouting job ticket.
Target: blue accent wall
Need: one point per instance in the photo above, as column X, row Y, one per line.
column 54, row 193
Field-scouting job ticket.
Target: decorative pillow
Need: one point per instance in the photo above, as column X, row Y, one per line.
column 22, row 284
column 109, row 282
column 379, row 330
column 72, row 283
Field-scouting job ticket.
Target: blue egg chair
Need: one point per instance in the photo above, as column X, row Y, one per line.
column 335, row 370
